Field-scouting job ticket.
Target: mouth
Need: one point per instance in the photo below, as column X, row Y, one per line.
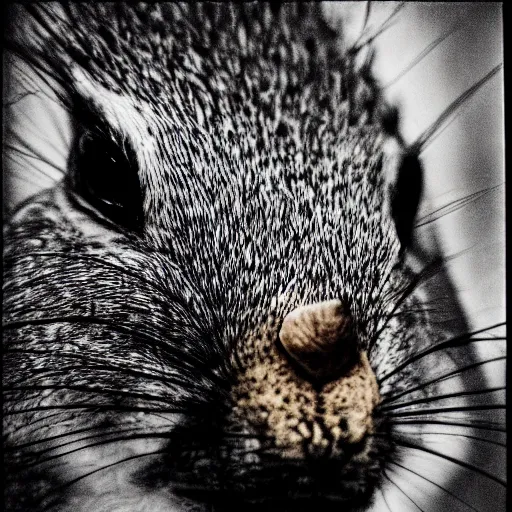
column 215, row 467
column 227, row 501
column 285, row 441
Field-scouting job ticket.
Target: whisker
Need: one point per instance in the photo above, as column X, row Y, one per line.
column 428, row 135
column 118, row 439
column 152, row 285
column 151, row 429
column 185, row 378
column 492, row 427
column 70, row 483
column 24, row 175
column 187, row 359
column 376, row 292
column 36, row 423
column 434, row 44
column 460, row 463
column 37, row 157
column 460, row 500
column 438, row 397
column 464, row 436
column 385, row 25
column 455, row 205
column 440, row 410
column 443, row 377
column 18, row 98
column 36, row 442
column 402, row 491
column 84, row 389
column 414, row 310
column 385, row 500
column 93, row 363
column 150, row 321
column 457, row 341
column 93, row 408
column 366, row 17
column 28, row 78
column 210, row 328
column 48, row 142
column 57, row 124
column 429, row 270
column 45, row 73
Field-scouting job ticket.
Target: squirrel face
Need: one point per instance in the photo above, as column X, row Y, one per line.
column 221, row 275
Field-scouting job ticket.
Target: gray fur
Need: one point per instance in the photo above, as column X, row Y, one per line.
column 263, row 170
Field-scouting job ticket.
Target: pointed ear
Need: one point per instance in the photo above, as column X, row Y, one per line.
column 405, row 195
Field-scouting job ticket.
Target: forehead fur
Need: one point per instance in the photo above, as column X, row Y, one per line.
column 201, row 63
column 258, row 141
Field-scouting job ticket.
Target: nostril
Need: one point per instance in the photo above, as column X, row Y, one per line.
column 320, row 338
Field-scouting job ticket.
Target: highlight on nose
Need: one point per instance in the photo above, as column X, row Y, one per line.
column 320, row 338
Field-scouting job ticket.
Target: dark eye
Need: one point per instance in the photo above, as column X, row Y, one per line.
column 405, row 197
column 104, row 173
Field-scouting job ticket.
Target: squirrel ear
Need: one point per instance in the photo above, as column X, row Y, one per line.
column 405, row 195
column 320, row 338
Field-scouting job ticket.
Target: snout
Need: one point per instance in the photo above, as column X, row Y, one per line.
column 310, row 388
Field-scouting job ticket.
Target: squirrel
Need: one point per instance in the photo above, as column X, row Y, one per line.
column 223, row 304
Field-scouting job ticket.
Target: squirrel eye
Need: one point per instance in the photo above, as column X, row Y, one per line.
column 104, row 173
column 405, row 196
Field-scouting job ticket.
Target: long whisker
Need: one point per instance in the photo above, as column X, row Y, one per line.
column 458, row 341
column 437, row 397
column 64, row 435
column 440, row 410
column 47, row 141
column 35, row 155
column 402, row 296
column 19, row 97
column 403, row 492
column 428, row 135
column 92, row 363
column 24, row 176
column 385, row 500
column 29, row 172
column 461, row 463
column 70, row 483
column 100, row 391
column 118, row 268
column 385, row 25
column 455, row 205
column 149, row 429
column 443, row 377
column 434, row 483
column 434, row 44
column 187, row 360
column 492, row 427
column 43, row 72
column 94, row 408
column 44, row 460
column 366, row 16
column 463, row 436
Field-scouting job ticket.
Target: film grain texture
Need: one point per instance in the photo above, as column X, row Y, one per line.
column 254, row 257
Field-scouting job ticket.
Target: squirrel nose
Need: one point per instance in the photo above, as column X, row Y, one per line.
column 320, row 338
